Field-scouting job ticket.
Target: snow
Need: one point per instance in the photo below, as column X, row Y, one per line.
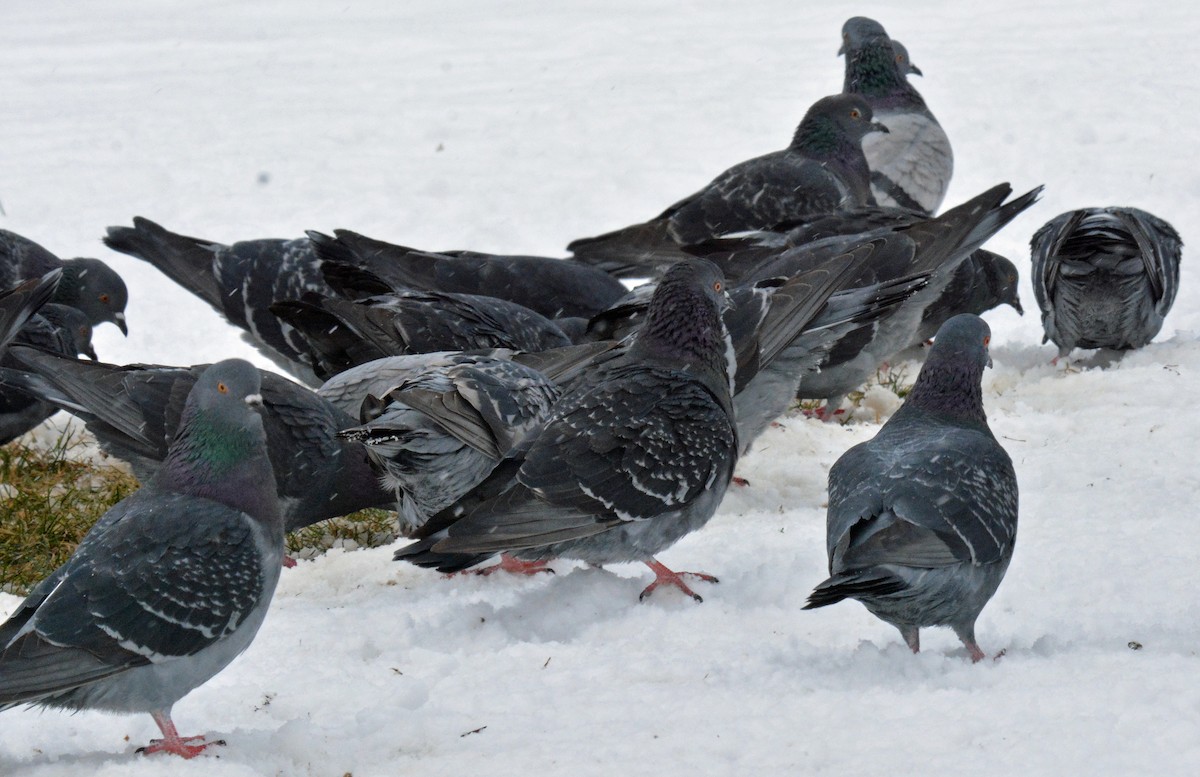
column 523, row 125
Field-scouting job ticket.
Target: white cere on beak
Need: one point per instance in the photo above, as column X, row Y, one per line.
column 254, row 400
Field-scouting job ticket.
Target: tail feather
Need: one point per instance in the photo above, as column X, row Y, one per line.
column 854, row 585
column 638, row 251
column 186, row 260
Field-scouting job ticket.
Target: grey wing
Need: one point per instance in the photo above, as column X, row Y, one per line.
column 1044, row 248
column 758, row 193
column 19, row 303
column 1159, row 246
column 911, row 164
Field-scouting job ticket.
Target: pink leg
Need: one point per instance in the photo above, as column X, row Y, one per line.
column 288, row 562
column 740, row 482
column 662, row 576
column 172, row 742
column 976, row 653
column 512, row 565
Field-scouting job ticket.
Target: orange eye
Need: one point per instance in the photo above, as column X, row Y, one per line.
column 855, row 114
column 104, row 298
column 221, row 387
column 987, row 340
column 900, row 58
column 717, row 286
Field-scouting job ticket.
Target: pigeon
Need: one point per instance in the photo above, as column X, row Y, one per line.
column 922, row 518
column 19, row 303
column 822, row 170
column 87, row 284
column 933, row 246
column 1104, row 277
column 135, row 411
column 436, row 425
column 912, row 163
column 240, row 281
column 170, row 585
column 55, row 328
column 982, row 282
column 341, row 333
column 637, row 455
column 555, row 288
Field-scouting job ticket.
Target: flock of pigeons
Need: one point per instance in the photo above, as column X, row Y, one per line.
column 537, row 409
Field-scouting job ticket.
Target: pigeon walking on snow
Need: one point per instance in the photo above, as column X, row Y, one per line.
column 912, row 163
column 240, row 281
column 922, row 519
column 87, row 284
column 637, row 455
column 822, row 170
column 1104, row 277
column 170, row 585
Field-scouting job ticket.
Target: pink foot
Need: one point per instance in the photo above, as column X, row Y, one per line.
column 288, row 562
column 512, row 565
column 664, row 576
column 975, row 652
column 741, row 482
column 173, row 743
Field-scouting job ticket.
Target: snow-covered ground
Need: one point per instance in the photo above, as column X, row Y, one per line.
column 522, row 125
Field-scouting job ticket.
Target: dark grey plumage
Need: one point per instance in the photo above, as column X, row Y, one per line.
column 22, row 301
column 912, row 163
column 555, row 288
column 436, row 425
column 822, row 170
column 1104, row 277
column 983, row 281
column 935, row 247
column 341, row 333
column 87, row 284
column 240, row 281
column 170, row 585
column 135, row 411
column 922, row 518
column 54, row 328
column 633, row 458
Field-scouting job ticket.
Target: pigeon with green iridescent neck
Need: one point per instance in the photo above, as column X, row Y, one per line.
column 922, row 518
column 912, row 163
column 170, row 585
column 822, row 170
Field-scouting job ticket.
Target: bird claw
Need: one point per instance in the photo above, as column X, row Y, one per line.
column 180, row 746
column 664, row 576
column 740, row 482
column 512, row 565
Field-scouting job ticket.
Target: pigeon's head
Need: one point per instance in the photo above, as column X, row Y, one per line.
column 73, row 326
column 903, row 62
column 1000, row 277
column 224, row 403
column 834, row 124
column 96, row 289
column 963, row 340
column 857, row 30
column 683, row 320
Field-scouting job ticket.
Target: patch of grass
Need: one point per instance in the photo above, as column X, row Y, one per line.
column 364, row 529
column 48, row 501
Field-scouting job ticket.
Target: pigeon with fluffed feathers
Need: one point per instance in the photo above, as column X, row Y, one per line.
column 637, row 455
column 922, row 518
column 911, row 165
column 170, row 585
column 1105, row 277
column 134, row 412
column 822, row 170
column 87, row 284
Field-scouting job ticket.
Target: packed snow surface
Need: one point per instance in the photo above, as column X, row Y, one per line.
column 520, row 126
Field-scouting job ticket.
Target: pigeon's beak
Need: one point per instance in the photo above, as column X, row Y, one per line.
column 841, row 49
column 879, row 127
column 1016, row 303
column 914, row 70
column 254, row 400
column 90, row 352
column 119, row 320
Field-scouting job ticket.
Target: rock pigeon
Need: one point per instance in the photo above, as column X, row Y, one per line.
column 556, row 288
column 135, row 411
column 240, row 281
column 19, row 303
column 57, row 329
column 982, row 282
column 822, row 170
column 87, row 284
column 341, row 333
column 436, row 425
column 634, row 457
column 935, row 246
column 923, row 517
column 912, row 163
column 1104, row 277
column 170, row 585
